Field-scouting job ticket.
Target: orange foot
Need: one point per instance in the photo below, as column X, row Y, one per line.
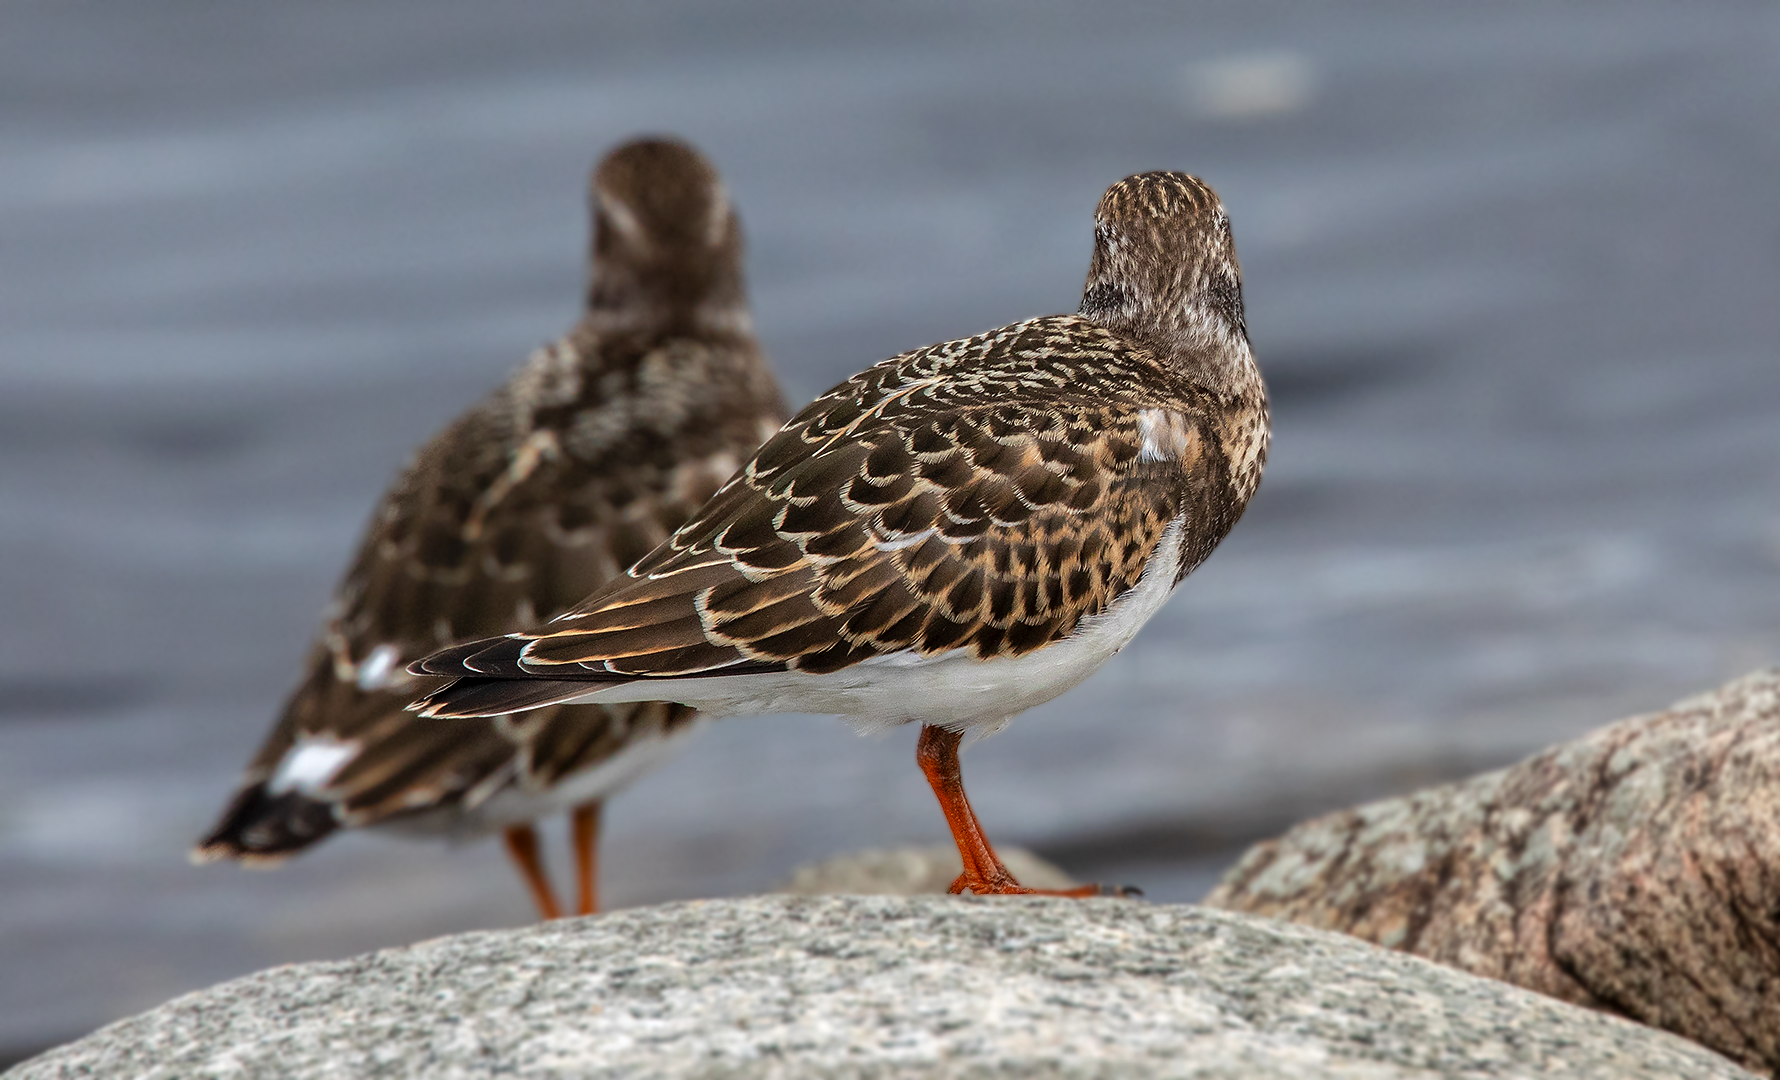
column 984, row 873
column 1005, row 885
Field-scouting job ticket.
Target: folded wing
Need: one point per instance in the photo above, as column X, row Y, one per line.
column 885, row 519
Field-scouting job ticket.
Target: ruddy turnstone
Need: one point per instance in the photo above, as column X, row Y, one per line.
column 599, row 447
column 952, row 536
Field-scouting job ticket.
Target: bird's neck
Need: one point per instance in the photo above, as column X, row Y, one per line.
column 621, row 299
column 1198, row 340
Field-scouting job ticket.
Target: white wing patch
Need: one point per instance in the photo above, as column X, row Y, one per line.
column 378, row 671
column 309, row 766
column 1167, row 436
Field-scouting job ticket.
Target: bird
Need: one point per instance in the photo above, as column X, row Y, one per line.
column 599, row 446
column 951, row 536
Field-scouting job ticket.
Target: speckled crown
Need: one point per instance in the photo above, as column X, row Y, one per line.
column 1164, row 266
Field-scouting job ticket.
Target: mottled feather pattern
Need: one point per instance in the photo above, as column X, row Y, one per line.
column 594, row 452
column 986, row 495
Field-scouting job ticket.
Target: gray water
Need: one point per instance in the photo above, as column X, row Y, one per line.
column 1512, row 274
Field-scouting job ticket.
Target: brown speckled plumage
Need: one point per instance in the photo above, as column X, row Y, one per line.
column 895, row 513
column 599, row 447
column 983, row 500
column 985, row 494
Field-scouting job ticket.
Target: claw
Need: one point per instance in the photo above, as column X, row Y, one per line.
column 984, row 874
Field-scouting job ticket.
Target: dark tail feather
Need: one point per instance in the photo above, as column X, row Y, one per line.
column 496, row 697
column 259, row 825
column 452, row 660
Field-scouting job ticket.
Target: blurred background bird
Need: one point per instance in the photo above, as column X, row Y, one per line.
column 600, row 446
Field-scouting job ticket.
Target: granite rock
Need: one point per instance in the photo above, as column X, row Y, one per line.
column 912, row 871
column 1635, row 870
column 783, row 986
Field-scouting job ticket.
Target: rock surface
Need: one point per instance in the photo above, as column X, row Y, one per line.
column 1636, row 870
column 912, row 871
column 881, row 987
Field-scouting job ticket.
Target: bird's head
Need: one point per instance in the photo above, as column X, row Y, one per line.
column 1164, row 268
column 667, row 243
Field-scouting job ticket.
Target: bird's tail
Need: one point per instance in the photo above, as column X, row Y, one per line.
column 262, row 827
column 468, row 697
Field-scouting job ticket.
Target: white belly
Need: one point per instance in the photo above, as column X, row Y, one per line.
column 951, row 689
column 514, row 802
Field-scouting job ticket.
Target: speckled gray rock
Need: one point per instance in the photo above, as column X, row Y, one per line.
column 782, row 986
column 1635, row 870
column 912, row 871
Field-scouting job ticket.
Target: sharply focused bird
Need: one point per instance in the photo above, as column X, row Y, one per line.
column 595, row 451
column 951, row 536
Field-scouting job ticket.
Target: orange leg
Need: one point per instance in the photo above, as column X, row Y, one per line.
column 937, row 754
column 586, row 821
column 522, row 844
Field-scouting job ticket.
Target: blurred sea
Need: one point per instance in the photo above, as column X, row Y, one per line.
column 1513, row 273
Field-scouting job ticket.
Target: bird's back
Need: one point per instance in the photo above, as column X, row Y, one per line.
column 989, row 496
column 596, row 450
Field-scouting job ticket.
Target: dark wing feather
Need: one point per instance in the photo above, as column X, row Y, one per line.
column 967, row 496
column 472, row 698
